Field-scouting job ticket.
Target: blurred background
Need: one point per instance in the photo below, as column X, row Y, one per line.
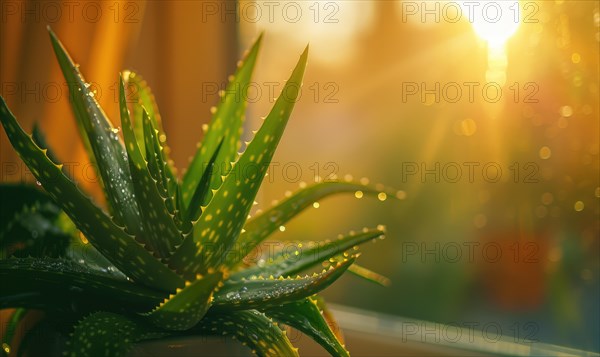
column 483, row 114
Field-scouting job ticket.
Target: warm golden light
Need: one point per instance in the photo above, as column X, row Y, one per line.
column 493, row 21
column 331, row 27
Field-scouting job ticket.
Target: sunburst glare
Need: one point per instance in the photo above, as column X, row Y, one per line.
column 495, row 22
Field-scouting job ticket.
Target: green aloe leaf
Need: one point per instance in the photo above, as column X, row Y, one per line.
column 109, row 334
column 222, row 221
column 32, row 232
column 143, row 100
column 253, row 329
column 203, row 190
column 158, row 167
column 184, row 309
column 15, row 197
column 369, row 275
column 110, row 240
column 226, row 124
column 263, row 225
column 181, row 213
column 154, row 156
column 307, row 255
column 28, row 217
column 258, row 291
column 305, row 316
column 51, row 283
column 104, row 142
column 82, row 252
column 160, row 232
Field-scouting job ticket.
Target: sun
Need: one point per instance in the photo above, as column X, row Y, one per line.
column 493, row 21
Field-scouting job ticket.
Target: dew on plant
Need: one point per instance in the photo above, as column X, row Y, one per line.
column 146, row 249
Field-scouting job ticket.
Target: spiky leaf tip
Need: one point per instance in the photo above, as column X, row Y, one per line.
column 102, row 138
column 305, row 316
column 221, row 222
column 308, row 255
column 258, row 291
column 225, row 125
column 264, row 224
column 160, row 232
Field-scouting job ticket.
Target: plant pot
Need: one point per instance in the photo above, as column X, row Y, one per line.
column 191, row 346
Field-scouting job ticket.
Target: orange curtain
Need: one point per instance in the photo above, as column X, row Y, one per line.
column 173, row 44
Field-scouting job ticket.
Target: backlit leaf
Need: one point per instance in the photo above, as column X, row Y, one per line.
column 305, row 316
column 307, row 255
column 226, row 124
column 260, row 291
column 260, row 227
column 160, row 232
column 104, row 142
column 222, row 220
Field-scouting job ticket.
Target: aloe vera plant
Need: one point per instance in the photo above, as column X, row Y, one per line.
column 165, row 257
